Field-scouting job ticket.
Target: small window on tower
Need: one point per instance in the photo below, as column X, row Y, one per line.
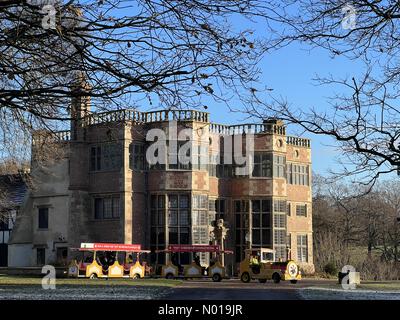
column 43, row 222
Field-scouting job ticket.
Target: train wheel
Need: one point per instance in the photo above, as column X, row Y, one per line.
column 293, row 281
column 136, row 276
column 245, row 277
column 276, row 278
column 93, row 276
column 216, row 277
column 169, row 276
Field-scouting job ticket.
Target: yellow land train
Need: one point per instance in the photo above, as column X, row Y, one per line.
column 94, row 267
column 260, row 264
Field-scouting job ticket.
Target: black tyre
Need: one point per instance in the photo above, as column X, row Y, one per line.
column 245, row 277
column 93, row 276
column 136, row 276
column 293, row 281
column 262, row 280
column 216, row 277
column 169, row 276
column 276, row 278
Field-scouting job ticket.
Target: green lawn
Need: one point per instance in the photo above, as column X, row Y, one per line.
column 21, row 280
column 380, row 285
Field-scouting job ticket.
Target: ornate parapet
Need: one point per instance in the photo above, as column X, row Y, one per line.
column 298, row 142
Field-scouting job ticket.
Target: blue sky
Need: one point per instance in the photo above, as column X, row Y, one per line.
column 289, row 71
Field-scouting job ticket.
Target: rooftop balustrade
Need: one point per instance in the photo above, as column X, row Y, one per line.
column 145, row 117
column 247, row 128
column 42, row 136
column 298, row 142
column 184, row 115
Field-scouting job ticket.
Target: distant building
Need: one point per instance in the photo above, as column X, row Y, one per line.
column 12, row 192
column 104, row 190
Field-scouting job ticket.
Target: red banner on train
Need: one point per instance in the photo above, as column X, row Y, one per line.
column 193, row 248
column 111, row 247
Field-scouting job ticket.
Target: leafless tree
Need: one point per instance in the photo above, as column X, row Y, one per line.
column 389, row 238
column 130, row 53
column 364, row 118
column 358, row 228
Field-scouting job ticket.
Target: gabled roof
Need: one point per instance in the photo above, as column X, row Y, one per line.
column 13, row 188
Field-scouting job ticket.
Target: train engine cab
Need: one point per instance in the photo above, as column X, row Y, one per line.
column 260, row 264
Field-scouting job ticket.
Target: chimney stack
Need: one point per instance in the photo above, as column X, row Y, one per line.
column 80, row 105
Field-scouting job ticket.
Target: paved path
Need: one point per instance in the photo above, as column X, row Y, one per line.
column 234, row 290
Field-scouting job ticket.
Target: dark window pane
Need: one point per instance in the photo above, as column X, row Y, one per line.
column 43, row 218
column 238, row 253
column 256, row 236
column 266, row 206
column 153, row 218
column 161, row 236
column 161, row 201
column 98, row 208
column 98, row 158
column 221, row 206
column 153, row 236
column 256, row 205
column 256, row 220
column 184, row 218
column 184, row 202
column 237, row 206
column 153, row 202
column 237, row 216
column 184, row 236
column 266, row 237
column 161, row 218
column 237, row 238
column 93, row 158
column 41, row 256
column 173, row 235
column 266, row 220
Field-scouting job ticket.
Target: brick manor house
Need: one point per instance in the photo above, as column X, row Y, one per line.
column 102, row 189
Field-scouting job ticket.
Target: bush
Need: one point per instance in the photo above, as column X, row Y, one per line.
column 378, row 270
column 330, row 268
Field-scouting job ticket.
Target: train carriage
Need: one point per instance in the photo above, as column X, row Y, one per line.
column 216, row 270
column 93, row 267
